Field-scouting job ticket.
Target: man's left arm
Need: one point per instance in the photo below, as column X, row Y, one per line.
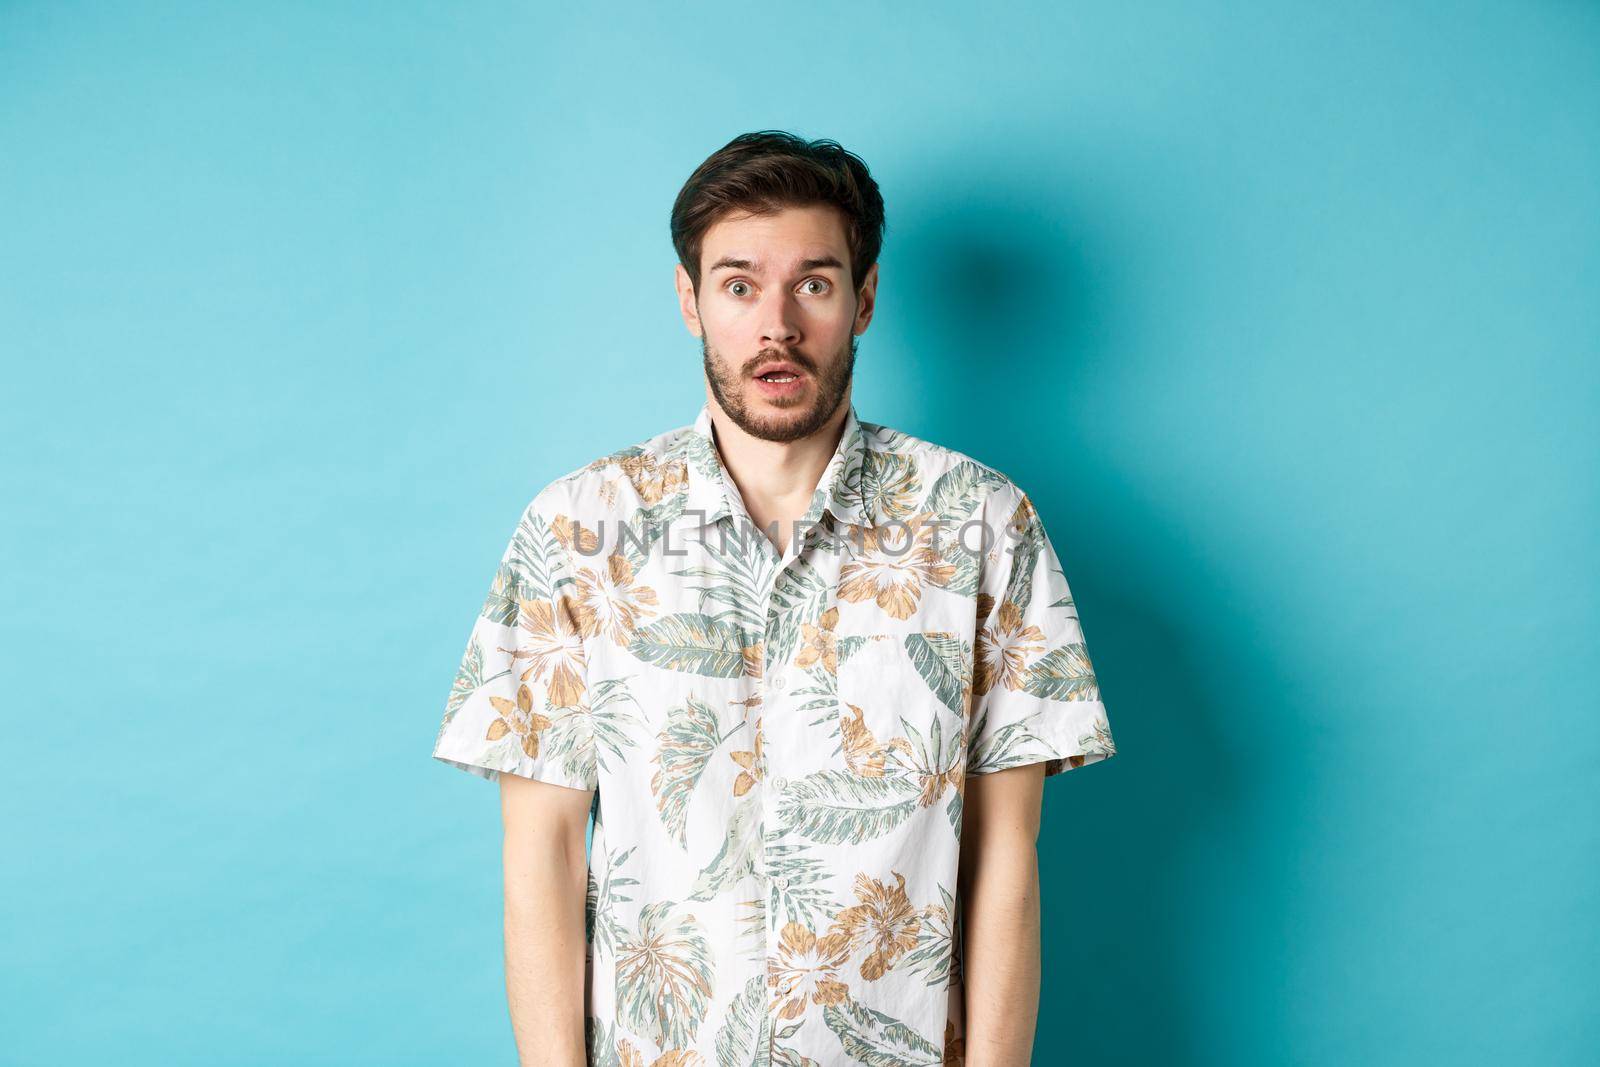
column 999, row 892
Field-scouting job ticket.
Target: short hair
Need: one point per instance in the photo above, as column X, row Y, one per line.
column 766, row 171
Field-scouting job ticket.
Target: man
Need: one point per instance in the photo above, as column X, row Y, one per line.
column 807, row 672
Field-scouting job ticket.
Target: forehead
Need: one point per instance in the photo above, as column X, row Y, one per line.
column 775, row 241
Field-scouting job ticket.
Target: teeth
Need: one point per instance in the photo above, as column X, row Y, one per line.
column 778, row 377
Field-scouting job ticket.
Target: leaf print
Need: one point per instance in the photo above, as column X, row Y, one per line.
column 535, row 559
column 931, row 958
column 929, row 762
column 1066, row 600
column 750, row 941
column 871, row 1037
column 736, row 860
column 570, row 738
column 836, row 806
column 968, row 574
column 614, row 720
column 798, row 598
column 743, row 1040
column 849, row 646
column 890, row 484
column 600, row 1043
column 610, row 893
column 1006, row 747
column 1063, row 674
column 884, row 920
column 683, row 749
column 737, row 573
column 802, row 896
column 500, row 605
column 958, row 491
column 664, row 976
column 700, row 452
column 805, row 969
column 943, row 660
column 1024, row 540
column 694, row 644
column 469, row 678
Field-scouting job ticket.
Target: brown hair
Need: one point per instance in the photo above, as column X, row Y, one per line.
column 766, row 171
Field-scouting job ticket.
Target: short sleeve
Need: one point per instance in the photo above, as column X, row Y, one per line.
column 520, row 701
column 1035, row 695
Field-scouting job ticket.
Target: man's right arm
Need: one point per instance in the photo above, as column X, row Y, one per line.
column 546, row 876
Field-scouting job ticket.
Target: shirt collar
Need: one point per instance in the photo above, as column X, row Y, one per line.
column 711, row 494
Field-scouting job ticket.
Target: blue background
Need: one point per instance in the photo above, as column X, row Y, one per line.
column 1285, row 314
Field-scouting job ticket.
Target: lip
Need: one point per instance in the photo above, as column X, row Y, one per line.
column 780, row 391
column 779, row 367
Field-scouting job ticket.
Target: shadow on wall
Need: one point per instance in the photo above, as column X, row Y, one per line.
column 1019, row 315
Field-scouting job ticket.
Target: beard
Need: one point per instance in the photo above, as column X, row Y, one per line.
column 831, row 379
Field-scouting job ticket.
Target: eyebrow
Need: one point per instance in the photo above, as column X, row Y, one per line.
column 730, row 263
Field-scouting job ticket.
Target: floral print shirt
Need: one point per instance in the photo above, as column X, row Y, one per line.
column 778, row 742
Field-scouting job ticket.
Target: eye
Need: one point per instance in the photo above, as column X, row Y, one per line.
column 745, row 285
column 818, row 281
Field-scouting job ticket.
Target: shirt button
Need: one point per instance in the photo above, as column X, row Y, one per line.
column 780, row 783
column 778, row 683
column 780, row 882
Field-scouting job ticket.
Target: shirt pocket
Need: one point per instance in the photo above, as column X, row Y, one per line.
column 892, row 719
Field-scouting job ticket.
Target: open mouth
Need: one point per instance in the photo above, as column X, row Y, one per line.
column 778, row 376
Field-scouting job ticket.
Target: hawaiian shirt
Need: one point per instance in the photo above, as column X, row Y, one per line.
column 778, row 743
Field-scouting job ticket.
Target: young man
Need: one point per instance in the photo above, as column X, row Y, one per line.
column 807, row 672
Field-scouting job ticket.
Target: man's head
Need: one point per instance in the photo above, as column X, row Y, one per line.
column 777, row 241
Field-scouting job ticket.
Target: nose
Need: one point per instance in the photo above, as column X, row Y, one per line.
column 780, row 319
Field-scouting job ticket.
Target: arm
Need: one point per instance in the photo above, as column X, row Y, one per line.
column 999, row 889
column 546, row 875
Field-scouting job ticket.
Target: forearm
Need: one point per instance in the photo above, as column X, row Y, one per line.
column 1000, row 952
column 545, row 945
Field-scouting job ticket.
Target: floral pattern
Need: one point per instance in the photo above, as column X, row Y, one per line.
column 778, row 742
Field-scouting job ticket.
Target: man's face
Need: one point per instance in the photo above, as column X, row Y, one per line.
column 776, row 302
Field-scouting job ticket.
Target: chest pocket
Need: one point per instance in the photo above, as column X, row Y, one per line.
column 889, row 716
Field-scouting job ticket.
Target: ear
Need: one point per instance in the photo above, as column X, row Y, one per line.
column 686, row 301
column 867, row 300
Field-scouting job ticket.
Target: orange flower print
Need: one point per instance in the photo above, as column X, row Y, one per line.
column 891, row 574
column 518, row 718
column 610, row 603
column 862, row 752
column 1002, row 649
column 629, row 1056
column 554, row 646
column 753, row 656
column 884, row 919
column 653, row 479
column 573, row 537
column 806, row 968
column 750, row 766
column 818, row 643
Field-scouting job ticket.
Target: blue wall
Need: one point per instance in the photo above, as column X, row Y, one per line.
column 1285, row 314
